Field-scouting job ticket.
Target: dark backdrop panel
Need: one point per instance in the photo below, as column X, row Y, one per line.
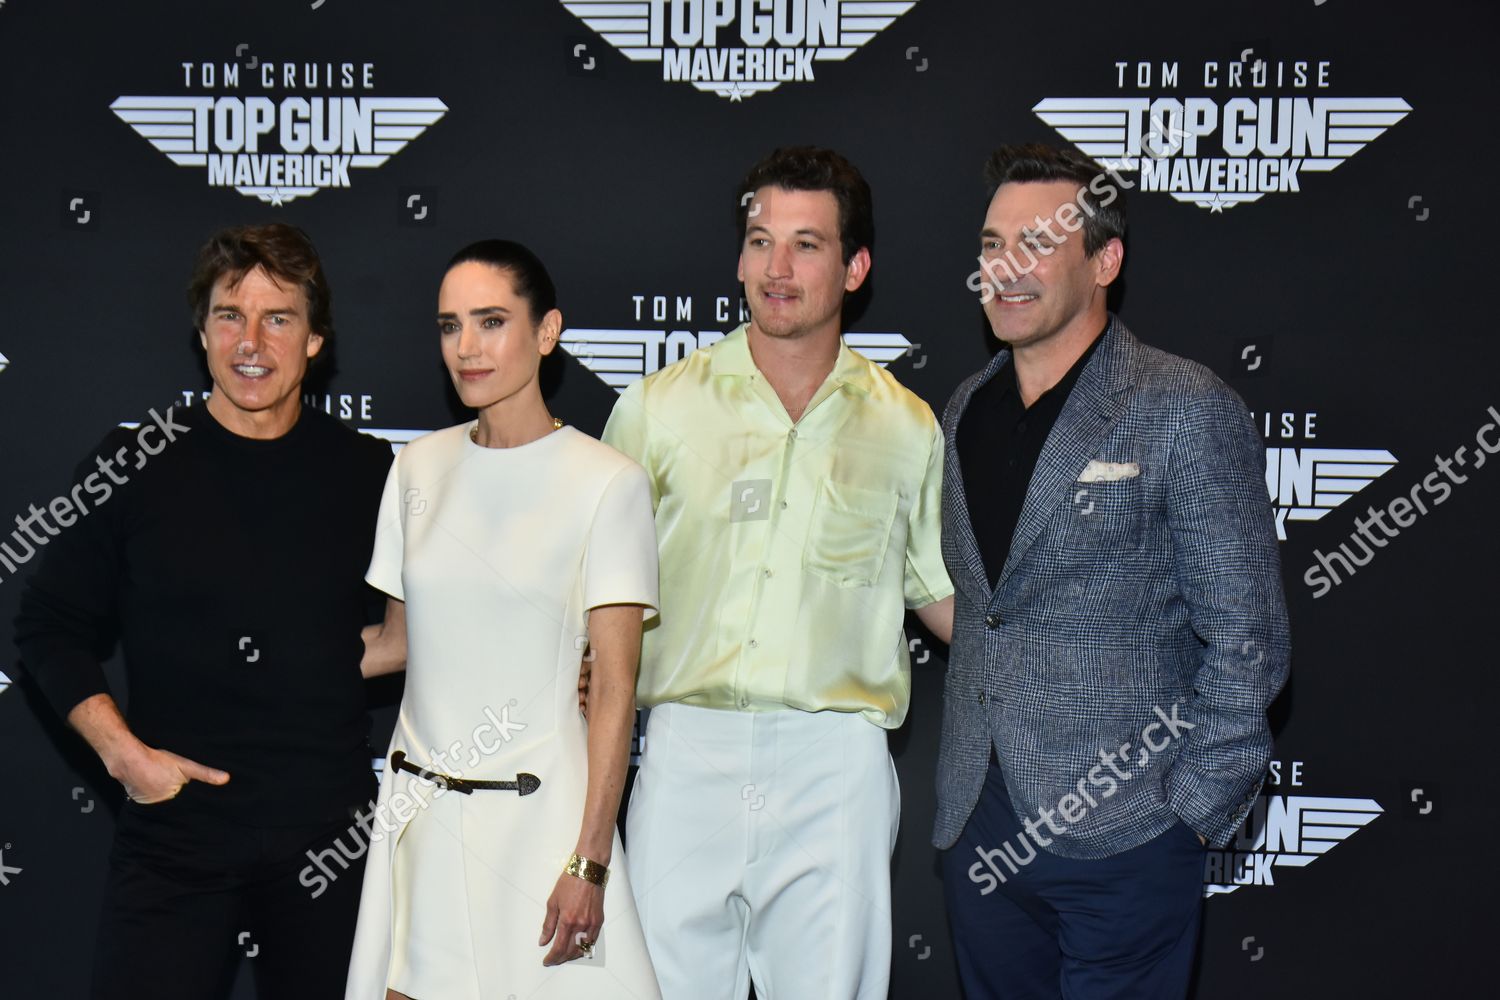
column 1353, row 304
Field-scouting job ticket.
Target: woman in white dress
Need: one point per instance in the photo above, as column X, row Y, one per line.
column 511, row 547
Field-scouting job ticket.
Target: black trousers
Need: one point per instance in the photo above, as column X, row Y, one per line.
column 187, row 895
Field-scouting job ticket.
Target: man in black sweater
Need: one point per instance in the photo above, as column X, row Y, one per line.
column 229, row 566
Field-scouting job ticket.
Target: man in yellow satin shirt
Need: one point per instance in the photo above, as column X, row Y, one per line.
column 797, row 490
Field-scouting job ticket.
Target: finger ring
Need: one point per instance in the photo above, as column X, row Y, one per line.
column 587, row 947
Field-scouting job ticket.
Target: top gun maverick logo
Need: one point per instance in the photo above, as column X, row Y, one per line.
column 1266, row 141
column 1307, row 481
column 685, row 37
column 278, row 145
column 622, row 356
column 1285, row 829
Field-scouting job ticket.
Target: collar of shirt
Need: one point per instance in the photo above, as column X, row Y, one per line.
column 732, row 357
column 1055, row 397
column 999, row 444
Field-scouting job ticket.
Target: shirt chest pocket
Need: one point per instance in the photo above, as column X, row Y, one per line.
column 849, row 534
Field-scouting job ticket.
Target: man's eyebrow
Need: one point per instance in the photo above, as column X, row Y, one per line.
column 804, row 231
column 231, row 307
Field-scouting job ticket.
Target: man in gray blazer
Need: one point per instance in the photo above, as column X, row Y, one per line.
column 1120, row 626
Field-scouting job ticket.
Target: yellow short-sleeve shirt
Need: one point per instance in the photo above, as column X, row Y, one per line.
column 789, row 552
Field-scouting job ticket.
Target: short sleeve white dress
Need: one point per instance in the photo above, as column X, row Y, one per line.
column 499, row 553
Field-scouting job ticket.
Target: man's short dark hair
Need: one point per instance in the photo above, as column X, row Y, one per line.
column 284, row 252
column 1102, row 198
column 810, row 168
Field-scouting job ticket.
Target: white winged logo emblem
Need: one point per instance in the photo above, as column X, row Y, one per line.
column 1292, row 831
column 278, row 150
column 1267, row 141
column 1307, row 483
column 730, row 53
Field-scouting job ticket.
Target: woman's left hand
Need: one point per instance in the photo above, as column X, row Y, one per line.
column 575, row 912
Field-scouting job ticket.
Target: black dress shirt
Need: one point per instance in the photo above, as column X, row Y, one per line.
column 999, row 442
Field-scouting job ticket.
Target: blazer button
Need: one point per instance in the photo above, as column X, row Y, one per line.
column 981, row 697
column 992, row 620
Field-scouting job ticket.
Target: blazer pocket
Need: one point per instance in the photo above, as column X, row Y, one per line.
column 1104, row 515
column 851, row 530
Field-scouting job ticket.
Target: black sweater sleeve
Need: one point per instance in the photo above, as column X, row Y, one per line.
column 68, row 621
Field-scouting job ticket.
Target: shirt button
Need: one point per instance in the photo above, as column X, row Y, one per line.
column 792, row 434
column 992, row 620
column 744, row 703
column 783, row 505
column 768, row 574
column 981, row 697
column 754, row 644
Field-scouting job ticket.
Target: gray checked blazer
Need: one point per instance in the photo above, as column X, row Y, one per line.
column 1123, row 664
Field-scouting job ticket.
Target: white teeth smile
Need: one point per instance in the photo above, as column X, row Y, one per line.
column 252, row 371
column 1017, row 298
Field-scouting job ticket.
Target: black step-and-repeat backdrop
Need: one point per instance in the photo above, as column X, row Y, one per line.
column 1311, row 200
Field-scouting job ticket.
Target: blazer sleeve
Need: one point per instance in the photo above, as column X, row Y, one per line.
column 1228, row 571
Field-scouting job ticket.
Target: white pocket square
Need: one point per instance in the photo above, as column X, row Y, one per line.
column 1108, row 472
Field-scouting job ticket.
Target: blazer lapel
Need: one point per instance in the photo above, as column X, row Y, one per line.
column 968, row 545
column 1094, row 405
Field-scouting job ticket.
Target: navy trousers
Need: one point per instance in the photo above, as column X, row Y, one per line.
column 1123, row 927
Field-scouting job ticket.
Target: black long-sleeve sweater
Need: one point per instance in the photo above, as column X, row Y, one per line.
column 231, row 573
